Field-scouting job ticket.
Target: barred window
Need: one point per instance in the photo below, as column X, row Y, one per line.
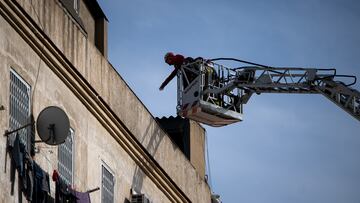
column 107, row 186
column 66, row 158
column 20, row 106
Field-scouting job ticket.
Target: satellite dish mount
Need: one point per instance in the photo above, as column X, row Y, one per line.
column 52, row 126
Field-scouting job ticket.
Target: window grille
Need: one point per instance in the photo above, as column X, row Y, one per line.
column 66, row 158
column 107, row 186
column 20, row 107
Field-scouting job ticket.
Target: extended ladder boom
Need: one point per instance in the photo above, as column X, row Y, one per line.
column 254, row 79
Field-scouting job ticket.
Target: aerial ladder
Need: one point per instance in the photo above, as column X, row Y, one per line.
column 213, row 94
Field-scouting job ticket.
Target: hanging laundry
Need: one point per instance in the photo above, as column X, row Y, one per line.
column 41, row 187
column 28, row 180
column 34, row 182
column 63, row 192
column 17, row 149
column 82, row 197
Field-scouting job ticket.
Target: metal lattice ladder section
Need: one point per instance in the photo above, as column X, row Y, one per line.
column 346, row 98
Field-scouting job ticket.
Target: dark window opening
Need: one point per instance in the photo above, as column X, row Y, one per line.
column 178, row 130
column 101, row 35
column 73, row 8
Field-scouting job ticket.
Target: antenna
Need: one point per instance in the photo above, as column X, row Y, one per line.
column 53, row 125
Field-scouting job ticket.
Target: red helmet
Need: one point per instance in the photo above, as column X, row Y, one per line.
column 168, row 55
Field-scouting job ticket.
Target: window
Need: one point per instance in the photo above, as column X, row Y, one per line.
column 66, row 158
column 101, row 35
column 20, row 107
column 107, row 186
column 76, row 6
column 73, row 7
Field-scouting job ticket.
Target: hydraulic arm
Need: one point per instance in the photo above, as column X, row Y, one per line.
column 260, row 79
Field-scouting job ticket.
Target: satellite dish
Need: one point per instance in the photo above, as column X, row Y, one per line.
column 53, row 125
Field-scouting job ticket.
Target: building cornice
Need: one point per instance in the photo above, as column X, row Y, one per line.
column 28, row 29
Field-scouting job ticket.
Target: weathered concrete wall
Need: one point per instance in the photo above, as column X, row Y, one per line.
column 93, row 144
column 69, row 38
column 197, row 147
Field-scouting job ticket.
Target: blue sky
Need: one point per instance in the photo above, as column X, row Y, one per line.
column 289, row 148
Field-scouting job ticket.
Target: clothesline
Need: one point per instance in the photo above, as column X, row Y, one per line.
column 8, row 133
column 57, row 163
column 93, row 190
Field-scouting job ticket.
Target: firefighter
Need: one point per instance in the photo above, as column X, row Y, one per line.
column 177, row 61
column 172, row 60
